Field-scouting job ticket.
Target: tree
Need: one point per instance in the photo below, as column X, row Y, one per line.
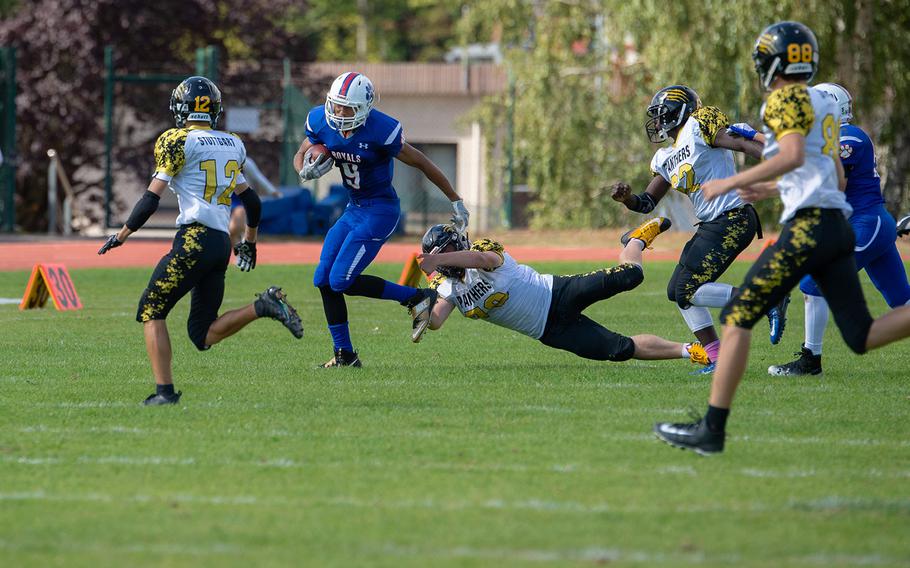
column 60, row 46
column 585, row 70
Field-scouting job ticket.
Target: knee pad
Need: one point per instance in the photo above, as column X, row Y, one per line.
column 197, row 330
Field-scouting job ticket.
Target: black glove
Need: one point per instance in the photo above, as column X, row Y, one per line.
column 245, row 252
column 111, row 242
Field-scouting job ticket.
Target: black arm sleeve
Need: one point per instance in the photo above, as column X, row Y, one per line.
column 144, row 208
column 644, row 203
column 253, row 206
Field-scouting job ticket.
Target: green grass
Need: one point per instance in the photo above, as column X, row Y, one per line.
column 476, row 447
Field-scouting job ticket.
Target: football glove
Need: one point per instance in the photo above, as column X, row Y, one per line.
column 316, row 168
column 460, row 218
column 245, row 252
column 111, row 242
column 742, row 129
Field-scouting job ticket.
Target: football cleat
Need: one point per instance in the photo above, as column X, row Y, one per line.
column 903, row 226
column 697, row 353
column 160, row 399
column 806, row 364
column 693, row 436
column 420, row 306
column 777, row 320
column 273, row 304
column 706, row 370
column 343, row 358
column 647, row 231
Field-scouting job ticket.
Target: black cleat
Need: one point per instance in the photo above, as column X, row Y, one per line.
column 777, row 320
column 903, row 226
column 161, row 399
column 693, row 436
column 420, row 306
column 273, row 304
column 805, row 364
column 343, row 358
column 647, row 231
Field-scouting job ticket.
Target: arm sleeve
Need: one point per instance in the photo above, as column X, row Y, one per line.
column 144, row 208
column 789, row 109
column 253, row 206
column 710, row 120
column 170, row 153
column 644, row 203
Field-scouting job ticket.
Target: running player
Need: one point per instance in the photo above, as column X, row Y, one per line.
column 363, row 143
column 702, row 150
column 203, row 166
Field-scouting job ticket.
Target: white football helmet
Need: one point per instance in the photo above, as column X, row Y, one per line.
column 351, row 90
column 842, row 97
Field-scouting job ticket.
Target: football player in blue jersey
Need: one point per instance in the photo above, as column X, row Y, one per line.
column 362, row 143
column 875, row 230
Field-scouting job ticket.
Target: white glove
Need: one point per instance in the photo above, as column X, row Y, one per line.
column 317, row 168
column 460, row 219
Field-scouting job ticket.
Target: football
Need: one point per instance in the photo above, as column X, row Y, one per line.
column 316, row 150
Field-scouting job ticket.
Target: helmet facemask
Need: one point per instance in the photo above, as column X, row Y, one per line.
column 437, row 239
column 351, row 90
column 669, row 109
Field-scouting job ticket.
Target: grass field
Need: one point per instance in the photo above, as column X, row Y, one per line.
column 476, row 447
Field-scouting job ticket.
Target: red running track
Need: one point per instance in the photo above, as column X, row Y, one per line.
column 84, row 253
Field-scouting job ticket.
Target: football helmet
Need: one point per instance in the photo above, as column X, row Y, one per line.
column 785, row 49
column 842, row 97
column 669, row 108
column 351, row 90
column 437, row 238
column 196, row 98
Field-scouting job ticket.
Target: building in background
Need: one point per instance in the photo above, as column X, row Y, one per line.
column 433, row 102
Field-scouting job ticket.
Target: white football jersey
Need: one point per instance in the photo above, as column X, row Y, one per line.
column 514, row 296
column 693, row 160
column 202, row 166
column 815, row 115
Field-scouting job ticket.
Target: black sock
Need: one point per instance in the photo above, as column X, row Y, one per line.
column 366, row 285
column 165, row 390
column 336, row 311
column 716, row 418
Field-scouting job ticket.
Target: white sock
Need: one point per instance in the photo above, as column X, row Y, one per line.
column 696, row 318
column 685, row 350
column 712, row 295
column 639, row 242
column 816, row 321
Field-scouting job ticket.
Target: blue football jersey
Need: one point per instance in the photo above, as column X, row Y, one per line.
column 366, row 158
column 857, row 153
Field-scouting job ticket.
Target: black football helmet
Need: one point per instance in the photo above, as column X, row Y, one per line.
column 669, row 108
column 196, row 98
column 437, row 238
column 785, row 49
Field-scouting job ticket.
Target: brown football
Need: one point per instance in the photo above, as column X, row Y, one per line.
column 315, row 150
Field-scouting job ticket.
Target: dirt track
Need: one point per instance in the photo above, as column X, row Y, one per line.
column 580, row 246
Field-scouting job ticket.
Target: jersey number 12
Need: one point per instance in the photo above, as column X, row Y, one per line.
column 231, row 169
